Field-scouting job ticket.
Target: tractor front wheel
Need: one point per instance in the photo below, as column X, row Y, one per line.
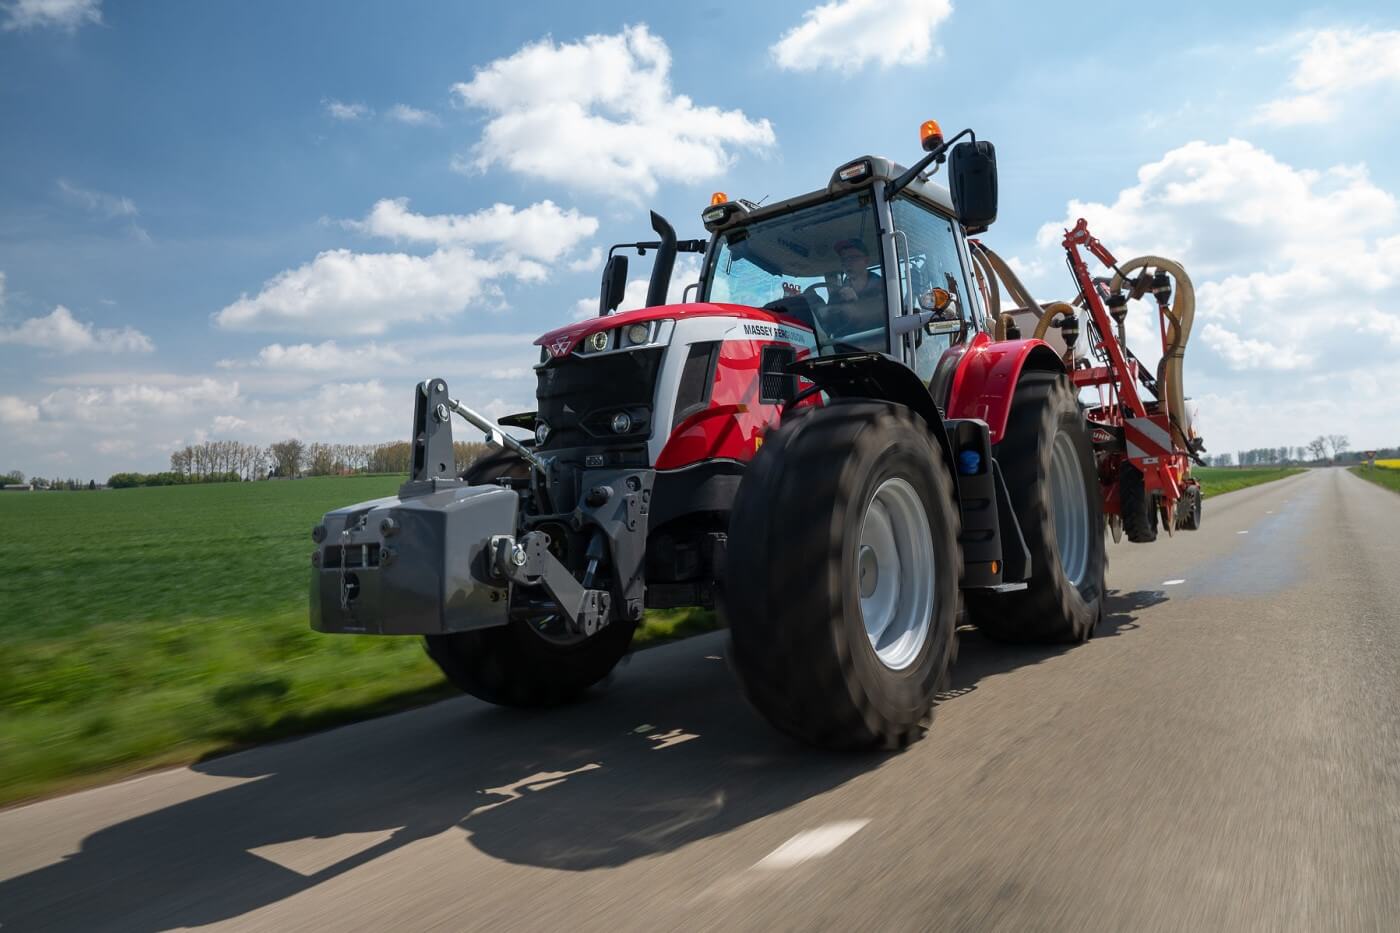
column 1048, row 463
column 842, row 571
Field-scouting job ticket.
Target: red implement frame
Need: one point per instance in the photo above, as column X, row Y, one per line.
column 1147, row 435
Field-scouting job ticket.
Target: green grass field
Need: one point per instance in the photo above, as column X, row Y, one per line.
column 1217, row 480
column 1386, row 476
column 148, row 626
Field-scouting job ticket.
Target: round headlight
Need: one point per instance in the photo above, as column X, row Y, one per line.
column 638, row 333
column 599, row 341
column 541, row 433
column 621, row 423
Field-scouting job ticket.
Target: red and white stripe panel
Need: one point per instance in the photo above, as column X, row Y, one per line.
column 1148, row 438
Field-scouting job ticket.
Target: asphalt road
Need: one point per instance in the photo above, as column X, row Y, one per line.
column 1224, row 755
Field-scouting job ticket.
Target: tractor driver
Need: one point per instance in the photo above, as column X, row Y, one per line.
column 858, row 292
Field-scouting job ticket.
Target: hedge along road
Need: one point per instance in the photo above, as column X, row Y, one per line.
column 1224, row 755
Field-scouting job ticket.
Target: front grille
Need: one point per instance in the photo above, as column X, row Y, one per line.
column 578, row 395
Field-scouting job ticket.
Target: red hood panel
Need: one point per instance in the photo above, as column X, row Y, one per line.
column 573, row 333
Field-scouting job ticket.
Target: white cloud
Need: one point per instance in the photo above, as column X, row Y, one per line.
column 15, row 410
column 1294, row 270
column 327, row 356
column 339, row 110
column 115, row 404
column 59, row 14
column 593, row 261
column 412, row 116
column 61, row 332
column 98, row 202
column 341, row 292
column 601, row 114
column 846, row 35
column 1332, row 64
column 540, row 231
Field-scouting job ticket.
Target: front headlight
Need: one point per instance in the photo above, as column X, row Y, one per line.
column 638, row 334
column 541, row 433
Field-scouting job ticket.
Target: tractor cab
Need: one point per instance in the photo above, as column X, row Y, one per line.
column 876, row 261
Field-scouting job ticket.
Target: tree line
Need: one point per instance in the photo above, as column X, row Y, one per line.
column 1325, row 448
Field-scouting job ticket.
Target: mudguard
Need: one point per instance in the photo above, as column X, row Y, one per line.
column 985, row 381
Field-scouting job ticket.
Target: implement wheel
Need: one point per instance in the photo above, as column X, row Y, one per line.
column 842, row 574
column 1137, row 508
column 529, row 663
column 1048, row 463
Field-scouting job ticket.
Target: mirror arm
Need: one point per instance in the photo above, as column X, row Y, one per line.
column 902, row 182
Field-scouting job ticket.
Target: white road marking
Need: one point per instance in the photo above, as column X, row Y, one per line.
column 814, row 843
column 713, row 657
column 1172, row 582
column 1241, row 532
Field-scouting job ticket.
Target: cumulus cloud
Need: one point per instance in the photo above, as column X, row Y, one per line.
column 412, row 116
column 540, row 231
column 1294, row 271
column 15, row 410
column 66, row 15
column 134, row 400
column 1331, row 65
column 339, row 110
column 847, row 35
column 342, row 292
column 60, row 332
column 327, row 356
column 601, row 114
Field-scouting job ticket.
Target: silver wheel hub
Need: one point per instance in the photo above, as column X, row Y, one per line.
column 895, row 564
column 1069, row 506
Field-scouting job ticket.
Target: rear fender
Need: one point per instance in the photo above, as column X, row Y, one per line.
column 985, row 382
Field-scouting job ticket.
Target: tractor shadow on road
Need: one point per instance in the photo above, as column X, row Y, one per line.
column 668, row 755
column 979, row 657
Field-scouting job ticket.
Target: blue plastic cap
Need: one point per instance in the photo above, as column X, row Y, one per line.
column 969, row 462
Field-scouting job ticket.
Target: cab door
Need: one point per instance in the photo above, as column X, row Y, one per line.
column 929, row 257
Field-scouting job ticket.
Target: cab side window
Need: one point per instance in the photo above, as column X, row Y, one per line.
column 928, row 259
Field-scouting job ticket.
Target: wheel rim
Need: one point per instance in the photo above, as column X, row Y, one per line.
column 1070, row 507
column 895, row 579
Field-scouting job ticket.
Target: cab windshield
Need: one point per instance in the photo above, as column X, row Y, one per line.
column 819, row 265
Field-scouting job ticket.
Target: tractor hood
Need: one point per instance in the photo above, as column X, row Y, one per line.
column 563, row 340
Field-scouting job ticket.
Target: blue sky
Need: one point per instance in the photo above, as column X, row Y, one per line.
column 253, row 220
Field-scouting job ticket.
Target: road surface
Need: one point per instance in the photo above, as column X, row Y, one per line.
column 1224, row 755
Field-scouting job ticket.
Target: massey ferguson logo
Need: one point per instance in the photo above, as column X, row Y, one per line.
column 560, row 347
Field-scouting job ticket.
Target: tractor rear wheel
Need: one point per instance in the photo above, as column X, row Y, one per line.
column 841, row 581
column 525, row 663
column 1137, row 508
column 1048, row 463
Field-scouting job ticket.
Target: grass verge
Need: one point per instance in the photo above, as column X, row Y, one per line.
column 1387, row 477
column 1217, row 480
column 150, row 627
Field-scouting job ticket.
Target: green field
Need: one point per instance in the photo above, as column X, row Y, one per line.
column 1388, row 477
column 149, row 626
column 1217, row 480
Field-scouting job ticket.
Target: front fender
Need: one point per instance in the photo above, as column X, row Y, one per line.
column 986, row 378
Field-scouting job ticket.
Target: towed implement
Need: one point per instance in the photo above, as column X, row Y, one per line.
column 842, row 441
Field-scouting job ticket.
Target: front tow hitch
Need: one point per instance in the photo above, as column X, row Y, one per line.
column 528, row 562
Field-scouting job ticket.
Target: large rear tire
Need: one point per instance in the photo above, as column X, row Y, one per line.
column 518, row 664
column 1048, row 463
column 842, row 571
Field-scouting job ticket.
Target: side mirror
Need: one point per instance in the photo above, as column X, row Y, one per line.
column 614, row 284
column 972, row 181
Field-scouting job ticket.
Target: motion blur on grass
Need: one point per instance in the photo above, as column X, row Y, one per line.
column 155, row 625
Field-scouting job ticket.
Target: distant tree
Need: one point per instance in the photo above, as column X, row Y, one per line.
column 1339, row 444
column 287, row 457
column 1318, row 447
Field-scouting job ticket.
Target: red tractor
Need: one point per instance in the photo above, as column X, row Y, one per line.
column 828, row 441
